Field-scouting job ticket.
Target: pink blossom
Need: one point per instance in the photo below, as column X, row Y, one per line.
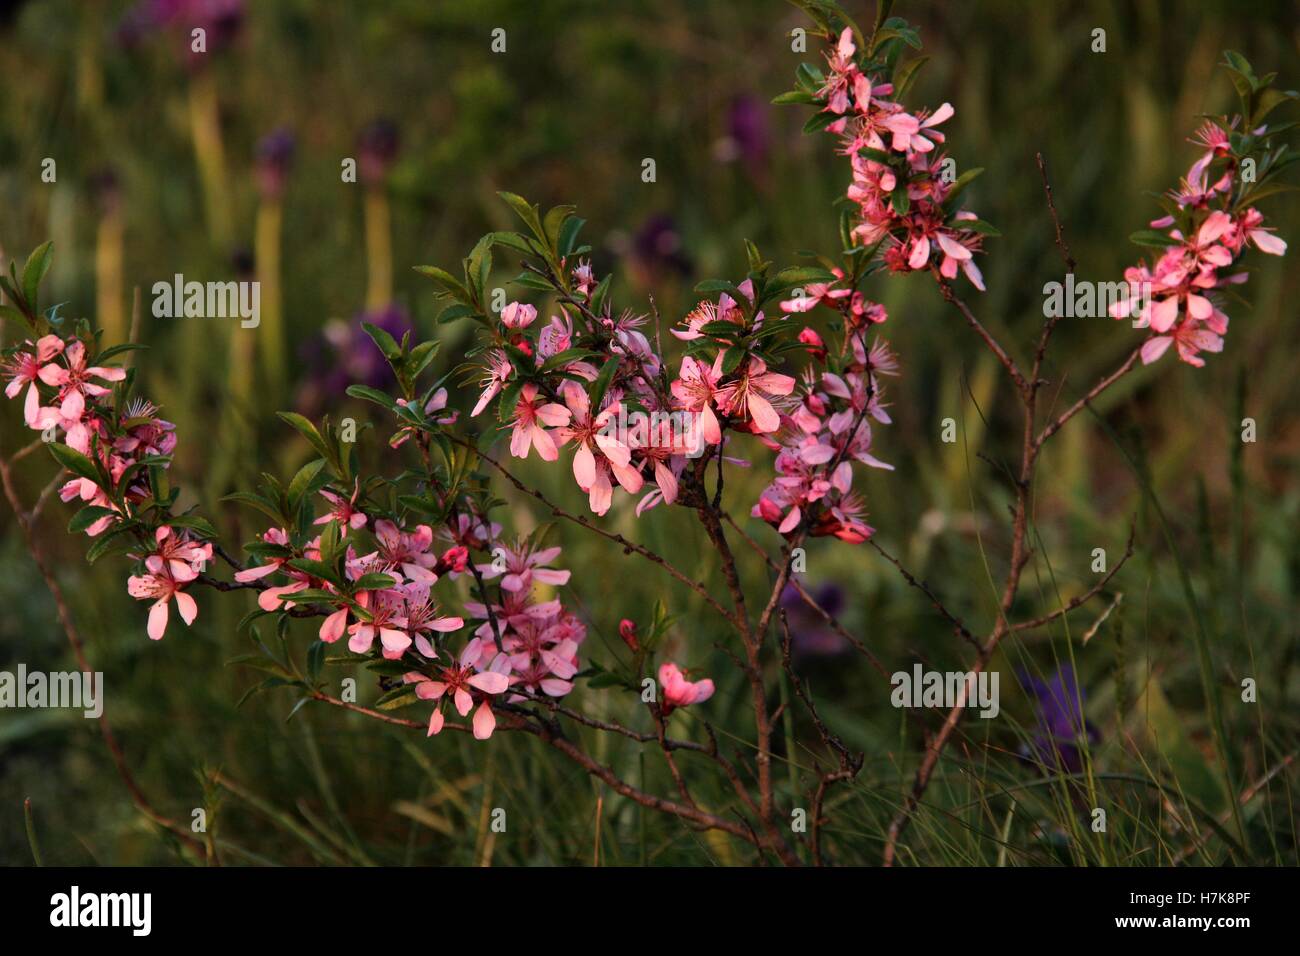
column 343, row 510
column 678, row 691
column 273, row 536
column 531, row 417
column 174, row 565
column 460, row 681
column 522, row 566
column 25, row 368
column 749, row 397
column 591, row 435
column 696, row 390
column 409, row 550
column 518, row 315
column 497, row 372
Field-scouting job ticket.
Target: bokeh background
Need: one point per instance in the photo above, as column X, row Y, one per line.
column 227, row 165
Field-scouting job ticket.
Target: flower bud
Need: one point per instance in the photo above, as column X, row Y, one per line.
column 518, row 315
column 627, row 631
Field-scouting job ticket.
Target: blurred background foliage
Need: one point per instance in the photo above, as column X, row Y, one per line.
column 228, row 164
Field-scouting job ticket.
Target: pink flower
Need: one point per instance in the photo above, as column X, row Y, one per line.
column 678, row 691
column 25, row 368
column 726, row 310
column 383, row 620
column 165, row 576
column 408, row 550
column 497, row 372
column 1249, row 228
column 343, row 510
column 436, row 403
column 420, row 615
column 75, row 386
column 750, row 396
column 584, row 278
column 696, row 390
column 907, row 129
column 809, row 338
column 592, row 435
column 1191, row 337
column 185, row 557
column 531, row 415
column 273, row 536
column 522, row 566
column 459, row 681
column 958, row 252
column 817, row 293
column 91, row 493
column 518, row 315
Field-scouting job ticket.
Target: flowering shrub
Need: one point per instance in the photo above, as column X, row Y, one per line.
column 413, row 570
column 1210, row 222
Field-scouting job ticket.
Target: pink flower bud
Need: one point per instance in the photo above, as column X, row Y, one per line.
column 518, row 315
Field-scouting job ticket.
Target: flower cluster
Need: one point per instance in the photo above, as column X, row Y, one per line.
column 69, row 395
column 819, row 440
column 176, row 560
column 903, row 185
column 1210, row 224
column 382, row 600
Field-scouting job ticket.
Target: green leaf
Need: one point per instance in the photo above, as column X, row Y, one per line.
column 403, row 696
column 116, row 539
column 530, row 280
column 116, row 350
column 315, row 657
column 603, row 380
column 15, row 316
column 979, row 226
column 38, row 264
column 793, row 97
column 374, row 582
column 387, row 344
column 959, row 185
column 819, row 120
column 900, row 200
column 568, row 237
column 808, row 79
column 525, row 212
column 75, row 462
column 905, row 75
column 302, row 481
column 513, row 240
column 317, row 569
column 307, row 429
column 87, row 516
column 372, row 395
column 202, row 526
column 455, row 311
column 798, row 275
column 567, row 356
column 1269, row 100
column 731, row 360
column 1149, row 237
column 258, row 502
column 554, row 221
column 450, row 284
